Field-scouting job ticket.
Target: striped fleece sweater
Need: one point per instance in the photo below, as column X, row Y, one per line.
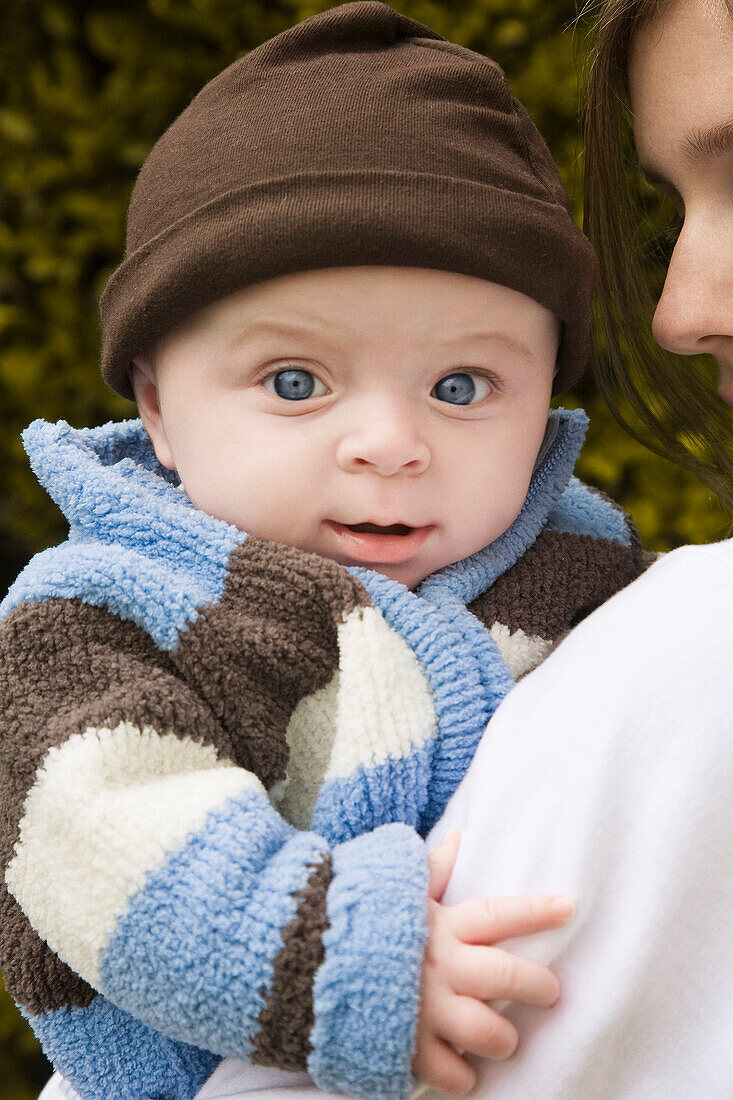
column 219, row 757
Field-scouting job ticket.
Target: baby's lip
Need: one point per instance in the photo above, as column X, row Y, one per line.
column 378, row 543
column 394, row 527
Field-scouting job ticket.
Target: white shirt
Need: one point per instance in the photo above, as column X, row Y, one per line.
column 606, row 774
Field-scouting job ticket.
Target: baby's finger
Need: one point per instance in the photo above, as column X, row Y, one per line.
column 488, row 920
column 443, row 1068
column 488, row 974
column 441, row 862
column 472, row 1026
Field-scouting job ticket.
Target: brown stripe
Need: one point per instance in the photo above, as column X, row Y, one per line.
column 559, row 580
column 64, row 666
column 269, row 641
column 286, row 1020
column 33, row 975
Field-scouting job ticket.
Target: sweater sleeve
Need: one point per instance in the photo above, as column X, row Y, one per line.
column 146, row 870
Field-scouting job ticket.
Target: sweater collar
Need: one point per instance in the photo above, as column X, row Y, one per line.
column 110, row 486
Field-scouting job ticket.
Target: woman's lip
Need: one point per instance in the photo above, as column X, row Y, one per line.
column 381, row 549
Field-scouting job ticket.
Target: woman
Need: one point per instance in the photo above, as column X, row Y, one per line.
column 671, row 59
column 607, row 771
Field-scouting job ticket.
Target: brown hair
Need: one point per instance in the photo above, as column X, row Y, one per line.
column 665, row 401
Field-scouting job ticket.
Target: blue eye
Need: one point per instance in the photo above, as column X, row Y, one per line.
column 458, row 389
column 295, row 384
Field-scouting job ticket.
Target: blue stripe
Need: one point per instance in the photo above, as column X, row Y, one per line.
column 160, row 599
column 453, row 755
column 583, row 512
column 137, row 544
column 366, row 992
column 193, row 953
column 396, row 790
column 105, row 1053
column 452, row 670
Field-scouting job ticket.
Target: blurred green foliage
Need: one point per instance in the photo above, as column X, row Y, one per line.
column 23, row 1069
column 86, row 87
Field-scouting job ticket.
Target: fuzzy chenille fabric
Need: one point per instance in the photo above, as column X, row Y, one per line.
column 219, row 758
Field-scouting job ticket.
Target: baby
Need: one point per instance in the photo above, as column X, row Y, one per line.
column 294, row 592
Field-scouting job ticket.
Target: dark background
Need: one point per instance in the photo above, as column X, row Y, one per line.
column 85, row 90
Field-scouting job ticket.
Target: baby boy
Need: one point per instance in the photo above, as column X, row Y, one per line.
column 295, row 591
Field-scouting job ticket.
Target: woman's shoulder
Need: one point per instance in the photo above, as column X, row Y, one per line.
column 691, row 583
column 722, row 550
column 692, row 556
column 677, row 613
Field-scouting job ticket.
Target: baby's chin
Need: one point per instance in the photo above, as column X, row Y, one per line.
column 403, row 574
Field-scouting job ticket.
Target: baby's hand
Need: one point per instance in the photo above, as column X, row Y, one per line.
column 462, row 970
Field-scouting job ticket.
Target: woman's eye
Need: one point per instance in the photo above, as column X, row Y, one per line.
column 295, row 384
column 461, row 389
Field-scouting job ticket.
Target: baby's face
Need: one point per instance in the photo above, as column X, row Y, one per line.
column 317, row 408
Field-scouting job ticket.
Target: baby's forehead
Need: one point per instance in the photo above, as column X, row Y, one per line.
column 367, row 317
column 360, row 302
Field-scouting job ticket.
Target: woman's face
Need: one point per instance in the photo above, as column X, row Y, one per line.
column 681, row 87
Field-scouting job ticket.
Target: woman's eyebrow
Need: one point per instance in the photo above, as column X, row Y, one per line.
column 709, row 142
column 699, row 145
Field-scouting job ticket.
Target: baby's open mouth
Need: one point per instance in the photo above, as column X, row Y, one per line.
column 371, row 543
column 375, row 529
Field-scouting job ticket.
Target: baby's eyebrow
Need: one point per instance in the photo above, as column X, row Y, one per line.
column 512, row 342
column 324, row 330
column 279, row 328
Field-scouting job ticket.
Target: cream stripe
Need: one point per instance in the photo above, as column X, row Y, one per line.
column 385, row 704
column 522, row 652
column 310, row 736
column 107, row 808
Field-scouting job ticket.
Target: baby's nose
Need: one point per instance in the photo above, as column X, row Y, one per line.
column 386, row 441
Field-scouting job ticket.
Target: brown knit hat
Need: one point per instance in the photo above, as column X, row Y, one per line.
column 358, row 136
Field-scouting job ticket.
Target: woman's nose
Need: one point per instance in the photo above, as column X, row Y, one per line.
column 385, row 440
column 695, row 311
